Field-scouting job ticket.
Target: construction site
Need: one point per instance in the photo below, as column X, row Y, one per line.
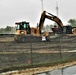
column 33, row 56
column 28, row 50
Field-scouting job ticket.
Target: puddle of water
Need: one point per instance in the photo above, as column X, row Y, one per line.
column 70, row 70
column 66, row 71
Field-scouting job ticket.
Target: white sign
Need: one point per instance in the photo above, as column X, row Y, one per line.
column 43, row 38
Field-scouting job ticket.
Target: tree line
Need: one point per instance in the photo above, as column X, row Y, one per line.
column 8, row 30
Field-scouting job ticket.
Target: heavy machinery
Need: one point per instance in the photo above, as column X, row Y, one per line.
column 25, row 33
column 61, row 28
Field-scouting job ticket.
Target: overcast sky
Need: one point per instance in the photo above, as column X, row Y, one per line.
column 12, row 11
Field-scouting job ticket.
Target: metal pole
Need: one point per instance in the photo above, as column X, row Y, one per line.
column 57, row 8
column 31, row 53
column 61, row 52
column 42, row 4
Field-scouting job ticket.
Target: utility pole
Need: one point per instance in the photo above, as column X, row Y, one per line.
column 42, row 4
column 57, row 8
column 56, row 12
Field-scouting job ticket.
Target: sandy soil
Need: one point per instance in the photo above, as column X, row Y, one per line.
column 40, row 69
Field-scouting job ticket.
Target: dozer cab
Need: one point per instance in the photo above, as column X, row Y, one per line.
column 22, row 28
column 25, row 33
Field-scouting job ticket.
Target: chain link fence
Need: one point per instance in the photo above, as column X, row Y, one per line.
column 27, row 55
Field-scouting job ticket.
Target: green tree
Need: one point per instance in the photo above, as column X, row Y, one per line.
column 8, row 28
column 72, row 22
column 1, row 30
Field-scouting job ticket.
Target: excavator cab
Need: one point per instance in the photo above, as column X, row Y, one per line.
column 22, row 28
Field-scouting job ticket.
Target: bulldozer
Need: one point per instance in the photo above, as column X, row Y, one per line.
column 25, row 33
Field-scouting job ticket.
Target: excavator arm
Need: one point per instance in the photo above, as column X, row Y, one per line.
column 50, row 17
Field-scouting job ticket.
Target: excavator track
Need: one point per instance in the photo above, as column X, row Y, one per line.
column 29, row 38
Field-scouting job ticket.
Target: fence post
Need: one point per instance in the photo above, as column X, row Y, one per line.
column 31, row 53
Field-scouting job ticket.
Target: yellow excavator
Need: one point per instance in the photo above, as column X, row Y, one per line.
column 25, row 33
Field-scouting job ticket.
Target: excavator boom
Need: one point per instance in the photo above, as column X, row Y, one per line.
column 50, row 17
